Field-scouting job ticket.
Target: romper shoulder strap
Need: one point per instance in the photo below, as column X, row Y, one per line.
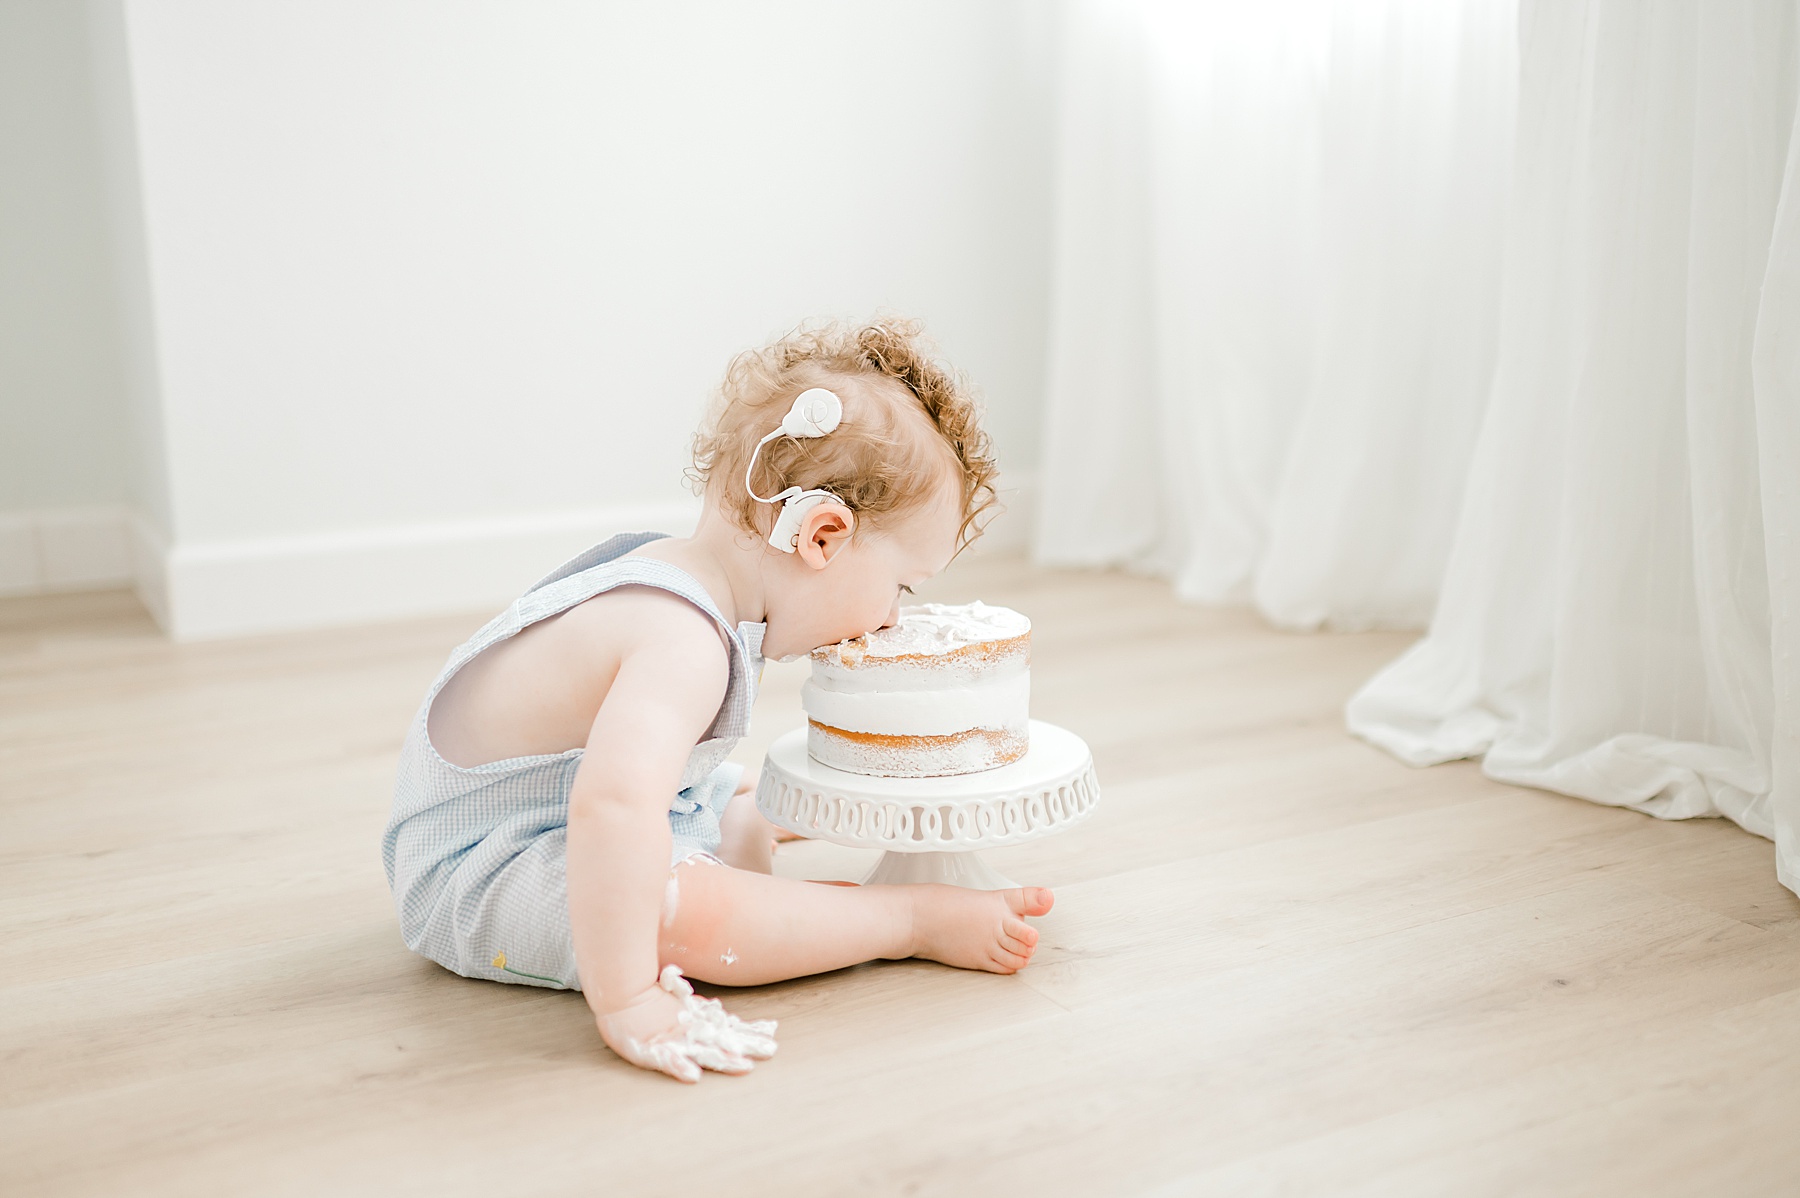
column 605, row 567
column 605, row 551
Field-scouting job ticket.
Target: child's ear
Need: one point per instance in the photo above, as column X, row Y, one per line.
column 824, row 532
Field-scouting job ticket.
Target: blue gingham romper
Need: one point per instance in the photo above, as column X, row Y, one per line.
column 475, row 855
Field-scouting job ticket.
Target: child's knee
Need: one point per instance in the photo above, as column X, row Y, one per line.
column 693, row 909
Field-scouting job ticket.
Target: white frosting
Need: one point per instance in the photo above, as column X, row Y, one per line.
column 929, row 629
column 917, row 674
column 1003, row 702
column 914, row 681
column 706, row 1036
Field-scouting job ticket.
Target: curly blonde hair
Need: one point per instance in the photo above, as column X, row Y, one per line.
column 888, row 380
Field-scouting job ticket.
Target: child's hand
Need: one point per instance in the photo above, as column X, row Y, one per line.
column 672, row 1030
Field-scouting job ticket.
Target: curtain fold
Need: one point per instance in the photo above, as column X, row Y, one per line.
column 1393, row 312
column 1616, row 613
column 1277, row 256
column 1775, row 366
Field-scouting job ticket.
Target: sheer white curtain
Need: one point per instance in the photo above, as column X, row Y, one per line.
column 1357, row 301
column 1276, row 281
column 1619, row 614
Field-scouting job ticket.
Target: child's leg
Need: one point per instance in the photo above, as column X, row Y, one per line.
column 739, row 928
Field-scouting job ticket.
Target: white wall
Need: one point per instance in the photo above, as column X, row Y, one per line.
column 414, row 297
column 64, row 461
column 439, row 291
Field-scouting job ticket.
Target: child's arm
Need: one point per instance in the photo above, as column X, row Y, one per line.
column 671, row 679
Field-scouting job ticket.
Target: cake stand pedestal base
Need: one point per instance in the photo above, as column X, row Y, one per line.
column 932, row 828
column 953, row 869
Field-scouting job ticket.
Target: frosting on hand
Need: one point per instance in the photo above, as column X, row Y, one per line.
column 706, row 1036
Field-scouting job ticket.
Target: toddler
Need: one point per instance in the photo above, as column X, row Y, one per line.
column 564, row 815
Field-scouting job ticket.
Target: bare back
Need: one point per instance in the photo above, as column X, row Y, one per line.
column 539, row 692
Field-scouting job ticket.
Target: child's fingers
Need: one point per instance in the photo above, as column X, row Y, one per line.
column 713, row 1025
column 705, row 1036
column 720, row 1060
column 664, row 1056
column 754, row 1045
column 683, row 1068
column 756, row 1037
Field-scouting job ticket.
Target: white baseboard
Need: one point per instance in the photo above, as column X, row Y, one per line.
column 65, row 549
column 149, row 568
column 237, row 588
column 199, row 592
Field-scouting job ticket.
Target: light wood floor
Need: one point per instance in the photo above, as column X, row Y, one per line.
column 1279, row 962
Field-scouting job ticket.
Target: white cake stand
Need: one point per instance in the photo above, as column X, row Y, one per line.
column 933, row 828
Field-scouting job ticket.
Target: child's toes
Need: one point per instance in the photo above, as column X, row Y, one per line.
column 1030, row 900
column 1018, row 929
column 1008, row 962
column 1014, row 944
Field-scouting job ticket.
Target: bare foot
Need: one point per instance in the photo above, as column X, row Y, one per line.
column 977, row 929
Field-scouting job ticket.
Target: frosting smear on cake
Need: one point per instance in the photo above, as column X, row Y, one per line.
column 947, row 690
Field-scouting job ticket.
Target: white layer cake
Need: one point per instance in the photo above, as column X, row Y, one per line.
column 947, row 690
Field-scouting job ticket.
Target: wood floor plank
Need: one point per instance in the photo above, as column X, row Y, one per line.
column 1280, row 962
column 1669, row 1112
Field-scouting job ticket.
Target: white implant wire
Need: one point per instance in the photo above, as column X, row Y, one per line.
column 779, row 495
